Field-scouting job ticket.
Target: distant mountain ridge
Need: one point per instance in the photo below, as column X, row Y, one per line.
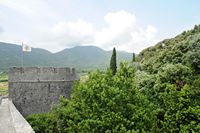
column 80, row 57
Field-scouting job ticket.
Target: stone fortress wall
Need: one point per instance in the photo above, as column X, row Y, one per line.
column 35, row 90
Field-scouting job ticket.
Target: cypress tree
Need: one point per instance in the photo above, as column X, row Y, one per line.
column 133, row 58
column 113, row 62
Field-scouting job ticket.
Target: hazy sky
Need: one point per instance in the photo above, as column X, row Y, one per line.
column 129, row 25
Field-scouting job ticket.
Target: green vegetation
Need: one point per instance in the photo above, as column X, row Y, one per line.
column 159, row 93
column 3, row 83
column 104, row 103
column 113, row 62
column 184, row 49
column 133, row 58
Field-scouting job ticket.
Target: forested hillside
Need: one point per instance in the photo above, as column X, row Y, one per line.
column 159, row 93
column 80, row 57
column 184, row 49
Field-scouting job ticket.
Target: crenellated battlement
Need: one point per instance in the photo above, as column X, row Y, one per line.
column 17, row 74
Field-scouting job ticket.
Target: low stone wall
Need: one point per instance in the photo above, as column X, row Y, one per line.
column 19, row 123
column 11, row 121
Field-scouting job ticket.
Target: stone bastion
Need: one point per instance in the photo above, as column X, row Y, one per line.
column 34, row 90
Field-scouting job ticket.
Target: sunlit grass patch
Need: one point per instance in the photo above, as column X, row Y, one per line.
column 3, row 88
column 3, row 84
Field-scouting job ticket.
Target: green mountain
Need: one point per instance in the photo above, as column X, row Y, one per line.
column 80, row 57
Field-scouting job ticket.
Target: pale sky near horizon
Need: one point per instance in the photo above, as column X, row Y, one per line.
column 129, row 25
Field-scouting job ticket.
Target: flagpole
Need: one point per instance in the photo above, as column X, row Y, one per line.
column 22, row 56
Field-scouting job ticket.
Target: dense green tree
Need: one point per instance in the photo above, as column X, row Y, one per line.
column 133, row 57
column 43, row 123
column 192, row 58
column 107, row 103
column 113, row 62
column 104, row 103
column 181, row 111
column 176, row 95
column 177, row 98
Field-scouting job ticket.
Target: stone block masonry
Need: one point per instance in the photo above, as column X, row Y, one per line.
column 34, row 90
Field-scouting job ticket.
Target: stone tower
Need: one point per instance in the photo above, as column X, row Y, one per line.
column 35, row 90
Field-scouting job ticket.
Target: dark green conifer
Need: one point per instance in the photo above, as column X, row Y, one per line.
column 133, row 58
column 113, row 62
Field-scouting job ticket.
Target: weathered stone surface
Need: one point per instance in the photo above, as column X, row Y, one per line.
column 11, row 121
column 35, row 90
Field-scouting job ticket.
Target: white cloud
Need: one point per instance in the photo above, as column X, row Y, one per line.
column 121, row 32
column 124, row 33
column 65, row 34
column 46, row 28
column 119, row 24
